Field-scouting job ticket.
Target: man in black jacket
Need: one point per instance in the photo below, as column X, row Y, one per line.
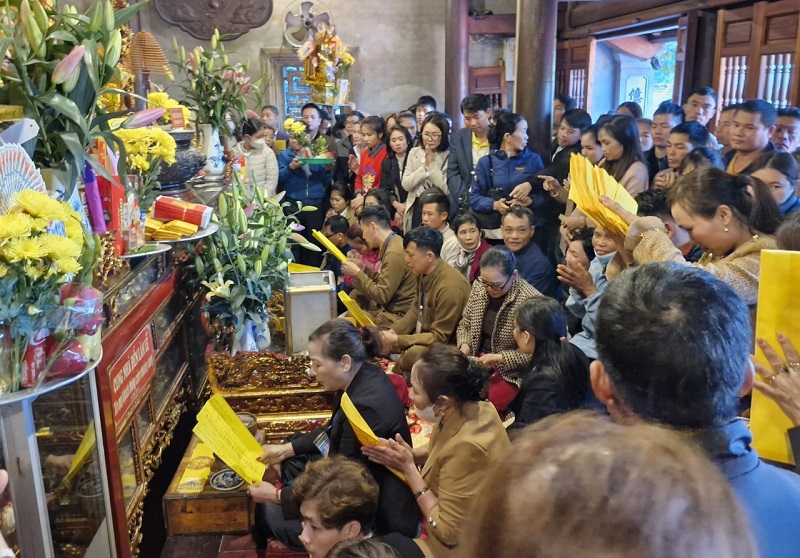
column 376, row 400
column 467, row 145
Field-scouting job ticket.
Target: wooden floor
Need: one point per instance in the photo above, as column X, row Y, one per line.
column 223, row 546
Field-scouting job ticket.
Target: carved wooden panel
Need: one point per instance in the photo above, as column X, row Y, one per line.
column 199, row 18
column 574, row 70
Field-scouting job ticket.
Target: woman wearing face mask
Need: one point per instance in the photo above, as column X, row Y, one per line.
column 338, row 352
column 486, row 326
column 468, row 439
column 261, row 164
column 730, row 217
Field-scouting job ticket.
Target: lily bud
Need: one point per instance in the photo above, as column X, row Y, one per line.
column 222, row 205
column 246, row 88
column 41, row 16
column 113, row 49
column 175, row 43
column 214, row 42
column 142, row 118
column 259, row 267
column 69, row 65
column 183, row 55
column 95, row 15
column 108, row 17
column 71, row 82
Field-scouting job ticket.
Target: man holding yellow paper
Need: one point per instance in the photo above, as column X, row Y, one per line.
column 388, row 295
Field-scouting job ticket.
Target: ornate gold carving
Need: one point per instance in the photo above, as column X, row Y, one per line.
column 300, row 403
column 110, row 264
column 248, row 372
column 233, row 18
column 135, row 528
column 162, row 436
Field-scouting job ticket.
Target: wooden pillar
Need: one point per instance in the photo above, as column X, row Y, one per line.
column 456, row 65
column 534, row 88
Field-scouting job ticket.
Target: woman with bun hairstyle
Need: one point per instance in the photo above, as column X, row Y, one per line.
column 467, row 440
column 731, row 218
column 339, row 352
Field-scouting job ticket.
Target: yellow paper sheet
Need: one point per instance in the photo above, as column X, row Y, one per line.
column 361, row 317
column 329, row 246
column 88, row 442
column 197, row 471
column 777, row 312
column 363, row 432
column 226, row 435
column 587, row 184
column 297, row 268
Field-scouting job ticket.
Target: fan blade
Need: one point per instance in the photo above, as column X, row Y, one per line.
column 321, row 18
column 306, row 8
column 293, row 20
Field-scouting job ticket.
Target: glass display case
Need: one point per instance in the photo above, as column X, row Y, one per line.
column 57, row 504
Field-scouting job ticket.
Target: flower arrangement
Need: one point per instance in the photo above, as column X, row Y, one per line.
column 146, row 148
column 57, row 63
column 326, row 58
column 248, row 257
column 44, row 246
column 298, row 131
column 213, row 87
column 161, row 99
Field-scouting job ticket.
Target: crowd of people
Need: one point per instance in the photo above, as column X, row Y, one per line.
column 543, row 347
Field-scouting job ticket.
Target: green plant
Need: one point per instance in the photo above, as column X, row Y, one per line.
column 214, row 87
column 249, row 255
column 57, row 63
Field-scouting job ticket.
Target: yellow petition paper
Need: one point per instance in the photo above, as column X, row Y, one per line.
column 363, row 432
column 361, row 317
column 777, row 312
column 226, row 435
column 329, row 246
column 587, row 184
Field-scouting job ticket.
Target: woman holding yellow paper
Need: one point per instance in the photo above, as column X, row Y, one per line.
column 339, row 353
column 468, row 438
column 729, row 217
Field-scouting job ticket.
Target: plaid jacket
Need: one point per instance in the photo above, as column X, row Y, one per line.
column 515, row 364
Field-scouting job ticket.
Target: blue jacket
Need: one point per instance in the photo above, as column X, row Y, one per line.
column 498, row 171
column 535, row 268
column 586, row 309
column 792, row 205
column 769, row 496
column 304, row 184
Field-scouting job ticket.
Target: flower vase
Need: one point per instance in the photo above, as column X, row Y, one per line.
column 254, row 336
column 212, row 147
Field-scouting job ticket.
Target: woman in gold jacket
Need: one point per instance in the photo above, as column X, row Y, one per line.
column 486, row 329
column 468, row 439
column 731, row 218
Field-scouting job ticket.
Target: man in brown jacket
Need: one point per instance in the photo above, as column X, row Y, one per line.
column 388, row 295
column 439, row 301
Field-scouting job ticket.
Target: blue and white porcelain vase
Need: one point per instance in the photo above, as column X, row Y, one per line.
column 212, row 147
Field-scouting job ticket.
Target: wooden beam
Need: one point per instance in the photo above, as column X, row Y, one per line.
column 456, row 64
column 500, row 24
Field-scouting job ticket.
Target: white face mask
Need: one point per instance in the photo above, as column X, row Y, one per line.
column 260, row 143
column 607, row 258
column 427, row 414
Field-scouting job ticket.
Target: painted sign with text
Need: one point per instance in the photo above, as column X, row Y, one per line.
column 131, row 374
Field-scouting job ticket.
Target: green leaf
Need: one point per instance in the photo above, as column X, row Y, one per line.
column 99, row 168
column 75, row 147
column 100, row 121
column 90, row 59
column 62, row 35
column 66, row 107
column 123, row 16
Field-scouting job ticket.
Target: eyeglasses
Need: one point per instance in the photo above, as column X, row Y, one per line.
column 493, row 286
column 329, row 236
column 428, row 135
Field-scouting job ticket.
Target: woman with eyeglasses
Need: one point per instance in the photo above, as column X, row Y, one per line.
column 426, row 168
column 486, row 330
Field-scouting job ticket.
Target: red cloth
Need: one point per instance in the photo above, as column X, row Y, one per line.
column 476, row 263
column 399, row 383
column 501, row 393
column 369, row 170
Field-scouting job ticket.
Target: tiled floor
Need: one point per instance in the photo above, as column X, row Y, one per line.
column 227, row 546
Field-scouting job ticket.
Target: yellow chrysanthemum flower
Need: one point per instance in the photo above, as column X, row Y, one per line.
column 60, row 246
column 39, row 224
column 24, row 248
column 74, row 231
column 67, row 265
column 14, row 225
column 39, row 204
column 4, row 269
column 33, row 271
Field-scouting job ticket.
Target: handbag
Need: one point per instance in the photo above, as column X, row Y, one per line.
column 489, row 221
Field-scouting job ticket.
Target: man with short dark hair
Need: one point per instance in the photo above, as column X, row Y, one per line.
column 561, row 104
column 753, row 124
column 700, row 105
column 683, row 139
column 665, row 118
column 786, row 136
column 407, row 120
column 435, row 215
column 388, row 295
column 334, row 230
column 467, row 145
column 724, row 127
column 270, row 116
column 532, row 265
column 574, row 124
column 425, row 104
column 653, row 203
column 439, row 302
column 674, row 348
